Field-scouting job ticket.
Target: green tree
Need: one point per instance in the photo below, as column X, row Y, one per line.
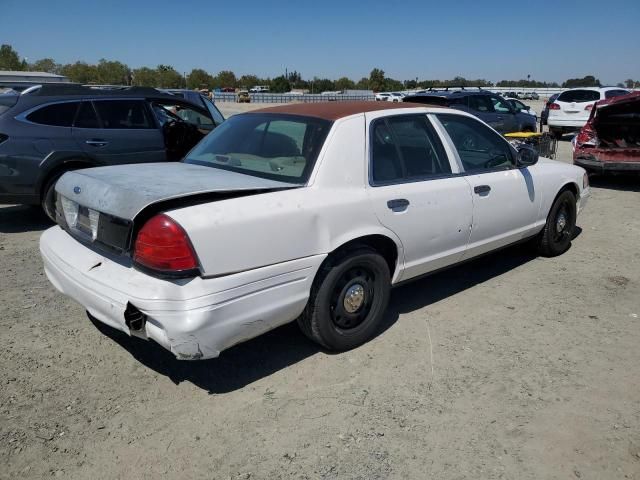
column 145, row 77
column 280, row 85
column 112, row 72
column 198, row 78
column 363, row 84
column 588, row 81
column 224, row 79
column 9, row 59
column 248, row 81
column 344, row 83
column 376, row 80
column 392, row 85
column 80, row 72
column 322, row 85
column 169, row 77
column 45, row 65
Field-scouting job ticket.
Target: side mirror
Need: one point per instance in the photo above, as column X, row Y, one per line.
column 527, row 156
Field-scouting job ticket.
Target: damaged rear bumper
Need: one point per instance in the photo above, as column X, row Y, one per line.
column 194, row 318
column 593, row 164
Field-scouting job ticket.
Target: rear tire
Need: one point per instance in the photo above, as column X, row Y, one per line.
column 348, row 299
column 556, row 236
column 48, row 199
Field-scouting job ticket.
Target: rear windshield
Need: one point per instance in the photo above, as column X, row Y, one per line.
column 8, row 100
column 274, row 146
column 579, row 96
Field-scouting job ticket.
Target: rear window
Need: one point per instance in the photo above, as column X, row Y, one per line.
column 56, row 115
column 277, row 147
column 123, row 114
column 579, row 96
column 615, row 93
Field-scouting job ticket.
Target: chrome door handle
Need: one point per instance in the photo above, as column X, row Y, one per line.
column 398, row 204
column 480, row 189
column 97, row 143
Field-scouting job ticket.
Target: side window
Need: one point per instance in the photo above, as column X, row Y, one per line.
column 56, row 115
column 123, row 114
column 405, row 147
column 500, row 105
column 481, row 103
column 213, row 110
column 480, row 149
column 614, row 93
column 86, row 117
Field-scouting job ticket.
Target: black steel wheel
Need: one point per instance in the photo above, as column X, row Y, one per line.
column 557, row 234
column 348, row 299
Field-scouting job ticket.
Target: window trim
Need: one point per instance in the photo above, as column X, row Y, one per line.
column 463, row 171
column 436, row 137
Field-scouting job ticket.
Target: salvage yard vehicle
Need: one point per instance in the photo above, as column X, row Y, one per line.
column 610, row 141
column 301, row 211
column 487, row 106
column 521, row 107
column 571, row 110
column 51, row 129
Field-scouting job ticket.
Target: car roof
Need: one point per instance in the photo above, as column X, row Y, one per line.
column 629, row 98
column 76, row 90
column 334, row 110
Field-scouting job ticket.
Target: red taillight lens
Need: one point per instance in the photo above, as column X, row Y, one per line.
column 164, row 246
column 587, row 135
column 554, row 106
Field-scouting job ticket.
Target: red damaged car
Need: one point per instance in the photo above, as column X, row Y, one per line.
column 610, row 141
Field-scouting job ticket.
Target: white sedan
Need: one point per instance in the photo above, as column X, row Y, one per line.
column 302, row 211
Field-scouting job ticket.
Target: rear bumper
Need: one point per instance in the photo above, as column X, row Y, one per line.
column 193, row 318
column 568, row 124
column 594, row 165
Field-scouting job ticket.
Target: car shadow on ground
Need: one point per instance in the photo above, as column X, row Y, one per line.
column 22, row 218
column 262, row 356
column 625, row 183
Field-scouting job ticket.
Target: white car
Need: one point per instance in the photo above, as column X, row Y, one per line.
column 382, row 97
column 571, row 110
column 395, row 97
column 301, row 211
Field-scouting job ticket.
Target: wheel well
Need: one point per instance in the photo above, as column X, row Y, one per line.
column 383, row 245
column 59, row 170
column 572, row 187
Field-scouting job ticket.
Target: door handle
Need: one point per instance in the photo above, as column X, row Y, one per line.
column 398, row 204
column 97, row 143
column 480, row 189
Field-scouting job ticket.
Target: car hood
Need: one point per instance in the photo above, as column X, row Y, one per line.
column 125, row 190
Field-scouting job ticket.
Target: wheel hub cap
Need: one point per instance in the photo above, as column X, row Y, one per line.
column 561, row 222
column 354, row 298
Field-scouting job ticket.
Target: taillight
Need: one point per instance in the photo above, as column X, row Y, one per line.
column 587, row 136
column 163, row 246
column 554, row 106
column 589, row 107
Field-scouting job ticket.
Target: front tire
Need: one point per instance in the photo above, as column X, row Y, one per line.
column 555, row 238
column 48, row 199
column 348, row 299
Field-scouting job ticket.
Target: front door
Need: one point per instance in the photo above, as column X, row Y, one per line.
column 505, row 200
column 415, row 193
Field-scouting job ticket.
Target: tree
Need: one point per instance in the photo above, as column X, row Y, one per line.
column 198, row 78
column 344, row 83
column 112, row 72
column 169, row 77
column 391, row 84
column 45, row 65
column 280, row 85
column 588, row 81
column 630, row 83
column 376, row 80
column 363, row 84
column 322, row 85
column 145, row 77
column 80, row 72
column 248, row 81
column 225, row 78
column 9, row 59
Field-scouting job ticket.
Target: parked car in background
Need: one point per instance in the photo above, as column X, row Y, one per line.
column 51, row 129
column 395, row 97
column 571, row 110
column 259, row 89
column 521, row 107
column 253, row 231
column 610, row 140
column 545, row 112
column 534, row 96
column 382, row 96
column 200, row 99
column 488, row 106
column 243, row 97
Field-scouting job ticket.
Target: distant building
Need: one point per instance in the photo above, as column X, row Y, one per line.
column 10, row 78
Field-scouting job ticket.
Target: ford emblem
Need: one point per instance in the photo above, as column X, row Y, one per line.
column 77, row 190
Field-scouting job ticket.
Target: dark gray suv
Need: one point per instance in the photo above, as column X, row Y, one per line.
column 488, row 107
column 48, row 130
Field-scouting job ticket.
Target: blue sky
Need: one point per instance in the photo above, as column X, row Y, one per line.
column 498, row 40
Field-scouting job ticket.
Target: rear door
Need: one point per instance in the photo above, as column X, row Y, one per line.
column 505, row 199
column 116, row 131
column 415, row 192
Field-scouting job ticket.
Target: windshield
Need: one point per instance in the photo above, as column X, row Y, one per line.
column 274, row 146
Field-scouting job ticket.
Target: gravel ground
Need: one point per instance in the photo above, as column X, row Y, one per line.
column 509, row 367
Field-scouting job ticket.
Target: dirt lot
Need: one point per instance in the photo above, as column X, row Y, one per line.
column 510, row 367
